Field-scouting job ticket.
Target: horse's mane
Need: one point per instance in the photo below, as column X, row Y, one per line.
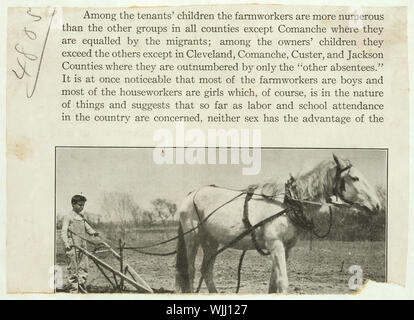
column 311, row 185
column 314, row 184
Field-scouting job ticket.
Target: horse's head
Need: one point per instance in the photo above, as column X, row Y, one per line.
column 352, row 187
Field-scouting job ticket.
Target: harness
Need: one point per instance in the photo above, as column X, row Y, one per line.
column 295, row 210
column 246, row 221
column 339, row 183
column 296, row 214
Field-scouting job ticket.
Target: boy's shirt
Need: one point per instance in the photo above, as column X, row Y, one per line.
column 76, row 223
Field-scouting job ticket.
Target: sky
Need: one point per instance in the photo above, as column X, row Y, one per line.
column 93, row 171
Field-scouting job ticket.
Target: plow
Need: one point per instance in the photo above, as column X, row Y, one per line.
column 123, row 278
column 125, row 274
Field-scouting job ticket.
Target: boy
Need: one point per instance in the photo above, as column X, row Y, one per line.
column 75, row 231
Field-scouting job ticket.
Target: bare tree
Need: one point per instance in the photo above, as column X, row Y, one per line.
column 121, row 209
column 164, row 209
column 136, row 214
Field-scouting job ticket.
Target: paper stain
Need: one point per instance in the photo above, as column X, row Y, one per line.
column 21, row 148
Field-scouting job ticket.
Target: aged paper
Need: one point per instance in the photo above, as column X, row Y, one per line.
column 120, row 119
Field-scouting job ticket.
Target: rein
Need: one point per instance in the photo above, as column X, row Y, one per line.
column 298, row 218
column 188, row 231
column 201, row 222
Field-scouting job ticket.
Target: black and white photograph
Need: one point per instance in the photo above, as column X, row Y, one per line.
column 311, row 221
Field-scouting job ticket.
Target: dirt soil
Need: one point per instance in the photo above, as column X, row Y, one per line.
column 324, row 269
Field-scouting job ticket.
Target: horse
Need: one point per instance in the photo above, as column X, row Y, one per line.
column 211, row 216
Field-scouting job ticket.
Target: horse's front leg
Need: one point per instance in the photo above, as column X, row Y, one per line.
column 278, row 279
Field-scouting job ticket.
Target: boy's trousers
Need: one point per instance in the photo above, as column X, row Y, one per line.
column 77, row 270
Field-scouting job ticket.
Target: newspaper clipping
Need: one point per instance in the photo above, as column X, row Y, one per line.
column 208, row 149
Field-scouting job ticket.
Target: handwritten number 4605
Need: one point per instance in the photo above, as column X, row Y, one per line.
column 23, row 57
column 31, row 35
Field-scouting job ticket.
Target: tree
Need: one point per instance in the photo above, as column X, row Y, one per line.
column 164, row 209
column 120, row 208
column 136, row 214
column 148, row 217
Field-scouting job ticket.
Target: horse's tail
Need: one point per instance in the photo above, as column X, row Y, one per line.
column 182, row 277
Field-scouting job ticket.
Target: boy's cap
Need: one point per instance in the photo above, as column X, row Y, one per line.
column 78, row 198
